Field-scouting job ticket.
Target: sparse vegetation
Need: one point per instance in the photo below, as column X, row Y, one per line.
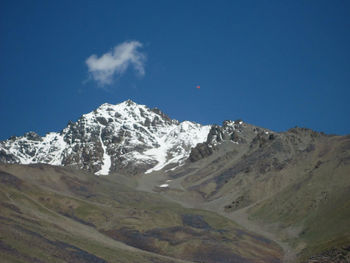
column 52, row 213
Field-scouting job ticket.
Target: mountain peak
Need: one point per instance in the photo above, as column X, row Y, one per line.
column 125, row 104
column 120, row 137
column 129, row 102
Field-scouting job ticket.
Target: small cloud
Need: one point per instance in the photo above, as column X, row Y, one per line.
column 116, row 62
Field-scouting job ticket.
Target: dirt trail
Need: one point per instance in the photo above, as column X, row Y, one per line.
column 148, row 183
column 241, row 218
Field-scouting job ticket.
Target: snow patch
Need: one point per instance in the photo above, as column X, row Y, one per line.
column 106, row 159
column 177, row 143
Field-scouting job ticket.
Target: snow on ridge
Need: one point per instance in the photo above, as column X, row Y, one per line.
column 147, row 136
column 178, row 142
column 48, row 149
column 54, row 144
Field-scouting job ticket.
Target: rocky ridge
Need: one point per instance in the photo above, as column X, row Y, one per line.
column 236, row 132
column 126, row 137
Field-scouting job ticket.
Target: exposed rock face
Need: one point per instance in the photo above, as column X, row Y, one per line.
column 334, row 255
column 236, row 132
column 237, row 149
column 201, row 151
column 127, row 137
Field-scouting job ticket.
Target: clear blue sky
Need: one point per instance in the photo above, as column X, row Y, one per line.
column 275, row 64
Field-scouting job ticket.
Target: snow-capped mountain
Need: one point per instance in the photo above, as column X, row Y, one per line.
column 126, row 137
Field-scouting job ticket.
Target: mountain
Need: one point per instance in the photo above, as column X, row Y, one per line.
column 125, row 137
column 294, row 185
column 176, row 192
column 58, row 214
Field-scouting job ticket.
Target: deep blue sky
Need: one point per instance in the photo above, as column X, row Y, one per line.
column 275, row 64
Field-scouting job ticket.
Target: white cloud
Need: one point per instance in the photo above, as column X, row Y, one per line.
column 116, row 62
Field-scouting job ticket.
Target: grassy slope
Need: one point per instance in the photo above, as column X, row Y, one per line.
column 317, row 206
column 297, row 185
column 32, row 231
column 51, row 214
